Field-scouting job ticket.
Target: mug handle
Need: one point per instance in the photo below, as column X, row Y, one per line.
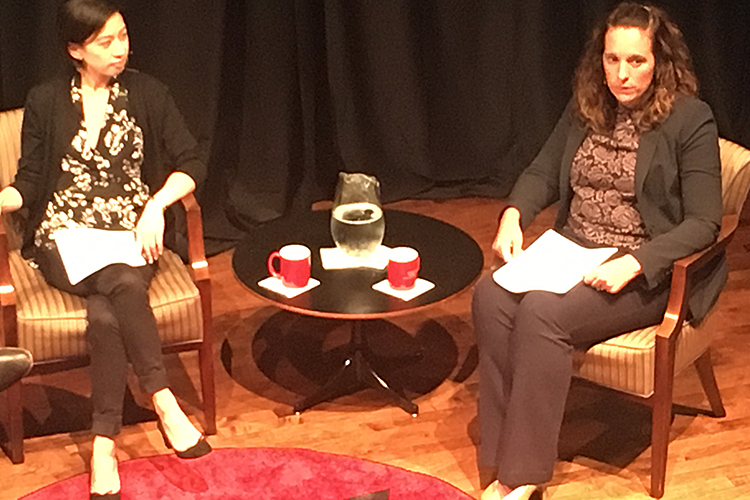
column 271, row 269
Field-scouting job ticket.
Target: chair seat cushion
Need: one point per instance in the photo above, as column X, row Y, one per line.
column 52, row 323
column 626, row 362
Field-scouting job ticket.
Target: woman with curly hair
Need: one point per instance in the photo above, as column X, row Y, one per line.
column 634, row 164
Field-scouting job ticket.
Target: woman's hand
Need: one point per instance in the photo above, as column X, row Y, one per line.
column 150, row 228
column 150, row 231
column 509, row 239
column 613, row 275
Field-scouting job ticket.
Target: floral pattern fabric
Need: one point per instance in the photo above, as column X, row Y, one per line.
column 99, row 187
column 602, row 177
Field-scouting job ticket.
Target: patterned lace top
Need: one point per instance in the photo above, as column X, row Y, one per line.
column 602, row 177
column 100, row 187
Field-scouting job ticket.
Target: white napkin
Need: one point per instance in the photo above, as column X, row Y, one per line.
column 420, row 286
column 275, row 285
column 335, row 258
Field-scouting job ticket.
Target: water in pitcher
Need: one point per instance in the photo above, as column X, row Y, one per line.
column 357, row 228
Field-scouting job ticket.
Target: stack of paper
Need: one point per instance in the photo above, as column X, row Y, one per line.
column 86, row 250
column 552, row 263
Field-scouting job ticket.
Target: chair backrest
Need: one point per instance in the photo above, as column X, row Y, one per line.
column 10, row 144
column 10, row 151
column 735, row 176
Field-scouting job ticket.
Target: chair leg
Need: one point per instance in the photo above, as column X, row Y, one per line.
column 661, row 417
column 206, row 362
column 206, row 359
column 708, row 381
column 14, row 446
column 660, row 423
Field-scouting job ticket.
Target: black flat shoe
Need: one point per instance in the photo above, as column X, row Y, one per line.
column 15, row 363
column 198, row 450
column 537, row 495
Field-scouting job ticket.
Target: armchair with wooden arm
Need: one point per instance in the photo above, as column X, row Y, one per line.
column 642, row 364
column 51, row 324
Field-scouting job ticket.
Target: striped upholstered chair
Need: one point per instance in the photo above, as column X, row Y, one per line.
column 52, row 324
column 642, row 363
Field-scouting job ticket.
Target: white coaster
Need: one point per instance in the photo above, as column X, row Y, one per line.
column 335, row 258
column 275, row 285
column 421, row 286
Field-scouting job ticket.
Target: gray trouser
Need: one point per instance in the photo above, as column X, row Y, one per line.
column 526, row 344
column 121, row 329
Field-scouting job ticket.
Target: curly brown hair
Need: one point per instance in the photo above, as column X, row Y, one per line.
column 673, row 70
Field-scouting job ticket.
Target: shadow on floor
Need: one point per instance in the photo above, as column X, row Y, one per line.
column 298, row 354
column 50, row 410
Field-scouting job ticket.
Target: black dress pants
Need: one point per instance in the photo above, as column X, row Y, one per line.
column 121, row 329
column 526, row 344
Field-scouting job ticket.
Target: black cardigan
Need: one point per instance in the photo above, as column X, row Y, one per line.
column 677, row 187
column 51, row 120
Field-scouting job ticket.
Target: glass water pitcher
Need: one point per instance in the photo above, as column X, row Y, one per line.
column 357, row 222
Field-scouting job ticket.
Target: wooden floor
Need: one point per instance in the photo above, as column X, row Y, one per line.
column 268, row 359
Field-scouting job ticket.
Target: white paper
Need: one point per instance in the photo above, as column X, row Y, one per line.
column 86, row 250
column 420, row 286
column 335, row 258
column 552, row 263
column 276, row 285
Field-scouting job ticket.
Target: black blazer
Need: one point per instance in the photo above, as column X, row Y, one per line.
column 51, row 120
column 677, row 188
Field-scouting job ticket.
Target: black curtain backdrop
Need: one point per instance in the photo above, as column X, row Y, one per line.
column 437, row 98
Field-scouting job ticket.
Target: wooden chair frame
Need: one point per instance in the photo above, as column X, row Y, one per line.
column 198, row 267
column 667, row 335
column 664, row 362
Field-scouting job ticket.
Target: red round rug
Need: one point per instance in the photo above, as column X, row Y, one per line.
column 260, row 474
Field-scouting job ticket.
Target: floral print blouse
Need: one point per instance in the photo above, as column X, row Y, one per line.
column 602, row 177
column 99, row 187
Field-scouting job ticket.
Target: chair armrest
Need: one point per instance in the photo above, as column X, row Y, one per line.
column 682, row 270
column 196, row 251
column 7, row 292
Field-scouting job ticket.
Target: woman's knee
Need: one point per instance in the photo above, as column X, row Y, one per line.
column 544, row 315
column 492, row 309
column 121, row 278
column 488, row 295
column 481, row 301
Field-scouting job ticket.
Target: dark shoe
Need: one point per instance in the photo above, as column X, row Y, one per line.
column 15, row 363
column 198, row 450
column 106, row 496
column 537, row 495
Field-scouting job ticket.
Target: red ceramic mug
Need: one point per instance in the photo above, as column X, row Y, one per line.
column 403, row 267
column 294, row 265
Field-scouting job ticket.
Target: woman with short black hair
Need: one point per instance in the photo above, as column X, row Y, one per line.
column 106, row 148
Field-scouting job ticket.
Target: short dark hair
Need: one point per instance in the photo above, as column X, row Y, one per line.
column 78, row 20
column 673, row 70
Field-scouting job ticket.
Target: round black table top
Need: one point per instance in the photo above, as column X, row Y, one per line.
column 450, row 259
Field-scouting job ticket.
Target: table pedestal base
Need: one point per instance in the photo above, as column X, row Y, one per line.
column 358, row 373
